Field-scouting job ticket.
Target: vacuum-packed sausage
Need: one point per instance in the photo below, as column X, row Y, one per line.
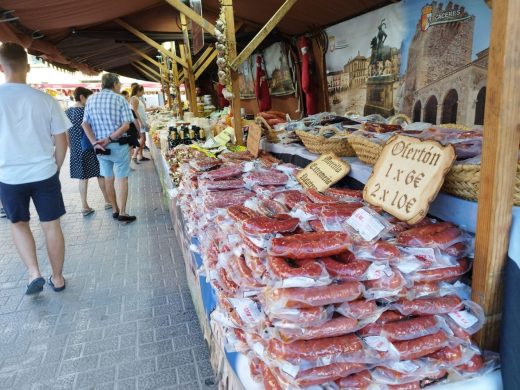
column 319, row 375
column 421, row 346
column 416, row 385
column 311, row 316
column 335, row 327
column 219, row 185
column 240, row 213
column 344, row 194
column 316, row 225
column 225, row 172
column 318, row 197
column 266, row 178
column 204, row 163
column 229, row 285
column 265, row 225
column 438, row 234
column 358, row 309
column 442, row 274
column 283, row 268
column 315, row 296
column 473, row 365
column 352, row 270
column 425, row 306
column 310, row 245
column 271, row 208
column 291, row 198
column 375, row 328
column 447, row 355
column 244, row 272
column 386, row 282
column 410, row 328
column 331, row 210
column 270, row 381
column 358, row 381
column 314, row 349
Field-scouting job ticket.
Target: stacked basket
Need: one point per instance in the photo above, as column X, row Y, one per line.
column 338, row 144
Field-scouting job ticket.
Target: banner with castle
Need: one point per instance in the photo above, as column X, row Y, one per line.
column 425, row 59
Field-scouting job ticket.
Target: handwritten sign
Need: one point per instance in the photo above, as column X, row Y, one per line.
column 253, row 139
column 327, row 170
column 408, row 176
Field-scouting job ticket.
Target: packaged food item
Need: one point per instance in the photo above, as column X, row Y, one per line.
column 309, row 245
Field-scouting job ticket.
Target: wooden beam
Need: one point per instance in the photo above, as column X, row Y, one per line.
column 144, row 72
column 262, row 34
column 498, row 169
column 151, row 70
column 149, row 41
column 176, row 82
column 203, row 56
column 232, row 53
column 190, row 76
column 195, row 17
column 206, row 63
column 144, row 55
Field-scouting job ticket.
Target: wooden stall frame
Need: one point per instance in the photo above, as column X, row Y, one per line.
column 190, row 76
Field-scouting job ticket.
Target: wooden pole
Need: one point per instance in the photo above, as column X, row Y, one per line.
column 206, row 63
column 232, row 53
column 144, row 55
column 151, row 70
column 190, row 76
column 149, row 41
column 176, row 82
column 195, row 17
column 146, row 73
column 498, row 169
column 262, row 34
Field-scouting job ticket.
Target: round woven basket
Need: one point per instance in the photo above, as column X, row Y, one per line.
column 463, row 181
column 454, row 126
column 367, row 150
column 338, row 144
column 271, row 134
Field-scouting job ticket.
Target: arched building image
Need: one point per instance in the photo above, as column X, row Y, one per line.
column 442, row 83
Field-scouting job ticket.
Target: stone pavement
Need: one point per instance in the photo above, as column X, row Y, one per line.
column 125, row 320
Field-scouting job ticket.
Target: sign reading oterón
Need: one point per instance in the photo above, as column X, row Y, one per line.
column 408, row 176
column 327, row 170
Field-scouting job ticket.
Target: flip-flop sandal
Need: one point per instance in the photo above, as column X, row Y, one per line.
column 87, row 212
column 57, row 289
column 108, row 206
column 35, row 286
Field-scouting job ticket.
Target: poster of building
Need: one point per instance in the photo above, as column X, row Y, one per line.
column 425, row 59
column 279, row 69
column 246, row 79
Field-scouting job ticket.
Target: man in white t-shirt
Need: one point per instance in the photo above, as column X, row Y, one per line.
column 33, row 145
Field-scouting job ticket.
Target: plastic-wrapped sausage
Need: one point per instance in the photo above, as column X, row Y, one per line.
column 425, row 306
column 270, row 380
column 304, row 297
column 319, row 375
column 224, row 199
column 256, row 265
column 243, row 156
column 310, row 245
column 218, row 185
column 291, row 198
column 386, row 285
column 410, row 328
column 442, row 235
column 225, row 172
column 359, row 381
column 225, row 281
column 442, row 274
column 473, row 365
column 204, row 163
column 416, row 385
column 265, row 178
column 312, row 350
column 281, row 223
column 375, row 328
column 337, row 326
column 283, row 268
column 271, row 208
column 291, row 318
column 351, row 270
column 359, row 309
column 244, row 274
column 344, row 194
column 316, row 225
column 331, row 210
column 318, row 197
column 240, row 213
column 421, row 346
column 447, row 356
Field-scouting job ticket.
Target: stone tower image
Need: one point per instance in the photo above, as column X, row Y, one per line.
column 442, row 44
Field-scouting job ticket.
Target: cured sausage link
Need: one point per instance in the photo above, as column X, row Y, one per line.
column 425, row 306
column 422, row 346
column 351, row 270
column 283, row 269
column 265, row 225
column 318, row 375
column 335, row 327
column 310, row 245
column 410, row 329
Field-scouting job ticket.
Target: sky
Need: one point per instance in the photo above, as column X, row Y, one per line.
column 401, row 20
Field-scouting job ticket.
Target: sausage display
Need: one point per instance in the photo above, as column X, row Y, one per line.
column 410, row 328
column 425, row 306
column 440, row 274
column 351, row 270
column 310, row 245
column 304, row 297
column 335, row 327
column 421, row 346
column 282, row 268
column 361, row 380
column 440, row 234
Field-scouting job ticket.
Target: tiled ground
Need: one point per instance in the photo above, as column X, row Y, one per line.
column 126, row 319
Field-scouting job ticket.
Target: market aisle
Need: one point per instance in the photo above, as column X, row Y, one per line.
column 126, row 319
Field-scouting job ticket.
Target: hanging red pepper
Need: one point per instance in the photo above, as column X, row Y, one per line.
column 261, row 87
column 309, row 86
column 222, row 101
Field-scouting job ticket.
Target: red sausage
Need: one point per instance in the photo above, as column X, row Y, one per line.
column 393, row 282
column 331, row 210
column 251, row 245
column 267, row 177
column 385, row 250
column 314, row 349
column 438, row 234
column 473, row 365
column 304, row 297
column 310, row 245
column 411, row 328
column 270, row 381
column 357, row 381
column 447, row 355
column 375, row 328
column 358, row 309
column 421, row 346
column 351, row 270
column 406, row 386
column 224, row 172
column 344, row 194
column 440, row 274
column 457, row 250
column 256, row 265
column 425, row 306
column 319, row 375
column 303, row 317
column 318, row 197
column 229, row 285
column 291, row 198
column 265, row 225
column 246, row 275
column 271, row 208
column 240, row 213
column 218, row 185
column 316, row 225
column 282, row 268
column 335, row 327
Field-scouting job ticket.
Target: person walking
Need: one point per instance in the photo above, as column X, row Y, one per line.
column 139, row 108
column 33, row 145
column 107, row 118
column 83, row 163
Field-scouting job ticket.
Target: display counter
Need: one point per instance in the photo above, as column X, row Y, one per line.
column 232, row 369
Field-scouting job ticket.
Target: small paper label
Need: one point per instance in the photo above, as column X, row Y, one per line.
column 365, row 224
column 427, row 254
column 464, row 319
column 247, row 309
column 378, row 343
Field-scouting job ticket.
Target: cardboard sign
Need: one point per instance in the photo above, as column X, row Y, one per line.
column 253, row 139
column 322, row 173
column 408, row 176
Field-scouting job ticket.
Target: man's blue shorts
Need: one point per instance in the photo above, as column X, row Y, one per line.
column 46, row 196
column 117, row 163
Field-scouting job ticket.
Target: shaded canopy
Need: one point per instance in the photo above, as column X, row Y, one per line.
column 83, row 36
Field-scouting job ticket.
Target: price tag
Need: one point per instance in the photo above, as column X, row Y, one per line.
column 365, row 224
column 254, row 136
column 327, row 170
column 427, row 254
column 247, row 309
column 463, row 318
column 407, row 176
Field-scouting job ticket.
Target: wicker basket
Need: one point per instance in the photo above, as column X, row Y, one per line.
column 367, row 150
column 463, row 181
column 271, row 134
column 339, row 145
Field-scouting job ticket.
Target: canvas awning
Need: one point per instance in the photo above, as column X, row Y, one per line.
column 83, row 35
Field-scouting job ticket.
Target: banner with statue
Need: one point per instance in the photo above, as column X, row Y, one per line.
column 424, row 59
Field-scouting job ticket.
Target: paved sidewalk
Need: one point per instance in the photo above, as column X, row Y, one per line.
column 126, row 319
